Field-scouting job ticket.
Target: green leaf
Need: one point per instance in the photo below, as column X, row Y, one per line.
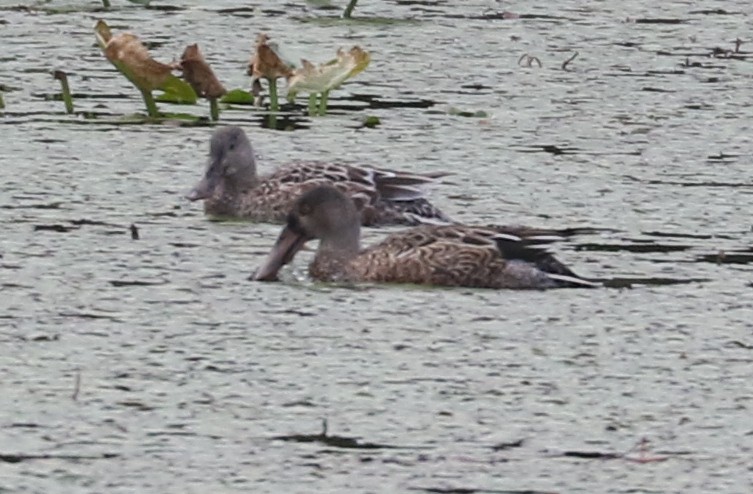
column 238, row 97
column 177, row 91
column 371, row 121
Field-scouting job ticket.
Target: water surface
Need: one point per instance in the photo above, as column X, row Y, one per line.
column 187, row 373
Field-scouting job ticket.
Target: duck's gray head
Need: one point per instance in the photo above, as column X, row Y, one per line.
column 322, row 213
column 231, row 165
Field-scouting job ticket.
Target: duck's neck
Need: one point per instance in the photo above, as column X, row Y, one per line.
column 334, row 254
column 247, row 178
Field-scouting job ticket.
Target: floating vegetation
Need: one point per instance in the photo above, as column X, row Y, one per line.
column 334, row 441
column 464, row 113
column 623, row 282
column 198, row 73
column 18, row 458
column 728, row 257
column 635, row 247
column 567, row 62
column 66, row 90
column 507, row 445
column 126, row 52
column 54, row 228
column 640, row 453
column 527, row 60
column 369, row 21
column 371, row 121
column 238, row 97
column 72, row 225
column 319, row 80
column 126, row 283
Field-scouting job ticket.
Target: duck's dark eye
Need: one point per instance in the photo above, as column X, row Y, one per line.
column 231, row 146
column 293, row 223
column 304, row 209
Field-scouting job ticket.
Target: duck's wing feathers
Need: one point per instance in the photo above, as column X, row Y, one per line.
column 459, row 255
column 391, row 185
column 276, row 198
column 384, row 196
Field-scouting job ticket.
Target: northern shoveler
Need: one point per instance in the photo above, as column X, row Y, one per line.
column 231, row 187
column 446, row 255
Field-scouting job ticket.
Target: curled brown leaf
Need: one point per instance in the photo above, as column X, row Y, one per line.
column 265, row 63
column 198, row 73
column 126, row 49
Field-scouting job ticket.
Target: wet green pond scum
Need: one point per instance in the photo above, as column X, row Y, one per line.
column 137, row 357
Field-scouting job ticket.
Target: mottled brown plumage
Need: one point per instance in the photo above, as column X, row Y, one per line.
column 446, row 255
column 231, row 188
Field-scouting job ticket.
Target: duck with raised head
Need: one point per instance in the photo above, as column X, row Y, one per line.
column 231, row 187
column 442, row 255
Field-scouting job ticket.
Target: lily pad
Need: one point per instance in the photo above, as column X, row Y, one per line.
column 238, row 97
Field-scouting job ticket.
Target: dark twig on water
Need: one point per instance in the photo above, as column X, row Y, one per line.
column 18, row 458
column 507, row 445
column 134, row 232
column 738, row 42
column 643, row 456
column 527, row 60
column 335, row 441
column 592, row 455
column 76, row 386
column 53, row 228
column 67, row 98
column 566, row 62
column 348, row 12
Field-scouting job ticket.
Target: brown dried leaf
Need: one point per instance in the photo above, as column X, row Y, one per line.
column 127, row 50
column 199, row 75
column 265, row 63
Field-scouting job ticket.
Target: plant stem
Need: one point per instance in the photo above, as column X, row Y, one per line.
column 323, row 103
column 67, row 98
column 312, row 104
column 151, row 106
column 106, row 3
column 2, row 103
column 214, row 110
column 274, row 104
column 349, row 9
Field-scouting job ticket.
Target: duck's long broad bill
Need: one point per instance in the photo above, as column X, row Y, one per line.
column 287, row 245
